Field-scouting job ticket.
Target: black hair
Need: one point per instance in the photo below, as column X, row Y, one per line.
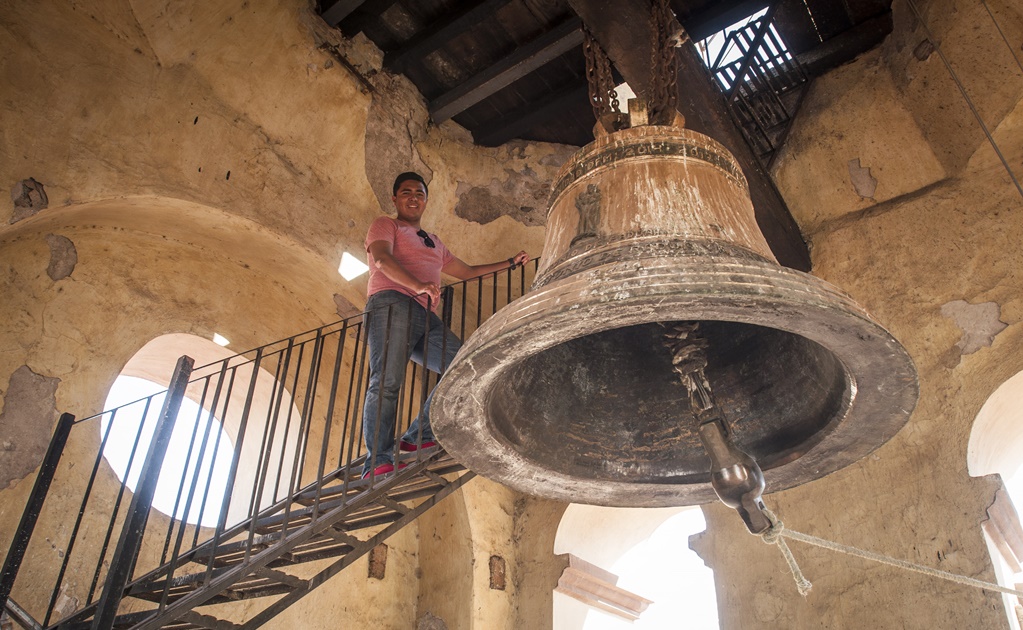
column 406, row 176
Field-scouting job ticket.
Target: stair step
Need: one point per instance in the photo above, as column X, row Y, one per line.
column 354, row 506
column 443, row 466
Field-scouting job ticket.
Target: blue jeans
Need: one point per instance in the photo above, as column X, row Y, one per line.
column 398, row 329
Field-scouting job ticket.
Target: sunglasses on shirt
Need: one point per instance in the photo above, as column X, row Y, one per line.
column 426, row 238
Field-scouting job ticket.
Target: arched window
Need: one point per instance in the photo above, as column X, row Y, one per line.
column 132, row 432
column 996, row 447
column 193, row 480
column 647, row 553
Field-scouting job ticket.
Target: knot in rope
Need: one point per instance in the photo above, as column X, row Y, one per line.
column 773, row 536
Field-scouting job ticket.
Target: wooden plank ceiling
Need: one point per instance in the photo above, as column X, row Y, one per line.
column 507, row 69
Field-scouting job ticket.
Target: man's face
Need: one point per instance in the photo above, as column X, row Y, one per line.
column 410, row 200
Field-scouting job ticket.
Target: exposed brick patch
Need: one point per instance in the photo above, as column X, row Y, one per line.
column 378, row 562
column 345, row 309
column 497, row 573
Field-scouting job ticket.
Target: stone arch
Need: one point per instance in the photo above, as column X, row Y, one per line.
column 995, row 447
column 155, row 362
column 639, row 546
column 996, row 439
column 146, row 266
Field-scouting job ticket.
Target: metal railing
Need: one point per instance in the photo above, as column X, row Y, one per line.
column 289, row 415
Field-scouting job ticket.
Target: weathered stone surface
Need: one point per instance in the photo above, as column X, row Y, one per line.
column 979, row 323
column 853, row 112
column 133, row 113
column 396, row 122
column 521, row 196
column 26, row 423
column 63, row 257
column 29, row 197
column 429, row 621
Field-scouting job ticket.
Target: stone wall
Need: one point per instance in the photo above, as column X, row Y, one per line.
column 200, row 167
column 203, row 166
column 941, row 229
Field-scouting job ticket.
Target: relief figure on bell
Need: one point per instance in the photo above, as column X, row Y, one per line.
column 588, row 204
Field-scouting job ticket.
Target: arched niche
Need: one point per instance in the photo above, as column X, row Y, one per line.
column 996, row 439
column 995, row 447
column 155, row 362
column 647, row 552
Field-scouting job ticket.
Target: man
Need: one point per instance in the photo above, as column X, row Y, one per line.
column 405, row 265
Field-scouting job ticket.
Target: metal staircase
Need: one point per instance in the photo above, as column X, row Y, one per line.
column 296, row 510
column 340, row 519
column 763, row 83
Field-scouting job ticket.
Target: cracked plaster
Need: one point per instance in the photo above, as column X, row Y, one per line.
column 26, row 423
column 979, row 323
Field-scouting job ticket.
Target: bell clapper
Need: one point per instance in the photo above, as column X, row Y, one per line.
column 735, row 476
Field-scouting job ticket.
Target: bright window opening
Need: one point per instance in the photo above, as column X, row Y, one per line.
column 255, row 420
column 996, row 446
column 728, row 48
column 648, row 549
column 182, row 467
column 351, row 267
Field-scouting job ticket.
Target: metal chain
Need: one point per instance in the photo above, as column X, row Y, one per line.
column 603, row 96
column 688, row 347
column 664, row 90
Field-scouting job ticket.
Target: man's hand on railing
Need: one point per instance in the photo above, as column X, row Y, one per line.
column 431, row 289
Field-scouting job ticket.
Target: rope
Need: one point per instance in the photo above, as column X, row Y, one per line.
column 779, row 531
column 773, row 536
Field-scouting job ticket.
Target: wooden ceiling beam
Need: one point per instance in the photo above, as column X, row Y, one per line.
column 334, row 12
column 624, row 29
column 440, row 32
column 520, row 121
column 524, row 60
column 357, row 18
column 719, row 16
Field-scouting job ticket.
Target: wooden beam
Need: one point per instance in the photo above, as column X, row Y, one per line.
column 440, row 32
column 703, row 105
column 365, row 11
column 624, row 29
column 522, row 120
column 719, row 16
column 334, row 12
column 524, row 60
column 846, row 46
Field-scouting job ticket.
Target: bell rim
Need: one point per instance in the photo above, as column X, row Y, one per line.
column 883, row 378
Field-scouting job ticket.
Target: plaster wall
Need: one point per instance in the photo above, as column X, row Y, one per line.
column 132, row 114
column 943, row 227
column 209, row 163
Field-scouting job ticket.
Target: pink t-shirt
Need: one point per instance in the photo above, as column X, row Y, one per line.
column 411, row 252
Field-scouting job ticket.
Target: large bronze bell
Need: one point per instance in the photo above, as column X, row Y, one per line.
column 570, row 393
